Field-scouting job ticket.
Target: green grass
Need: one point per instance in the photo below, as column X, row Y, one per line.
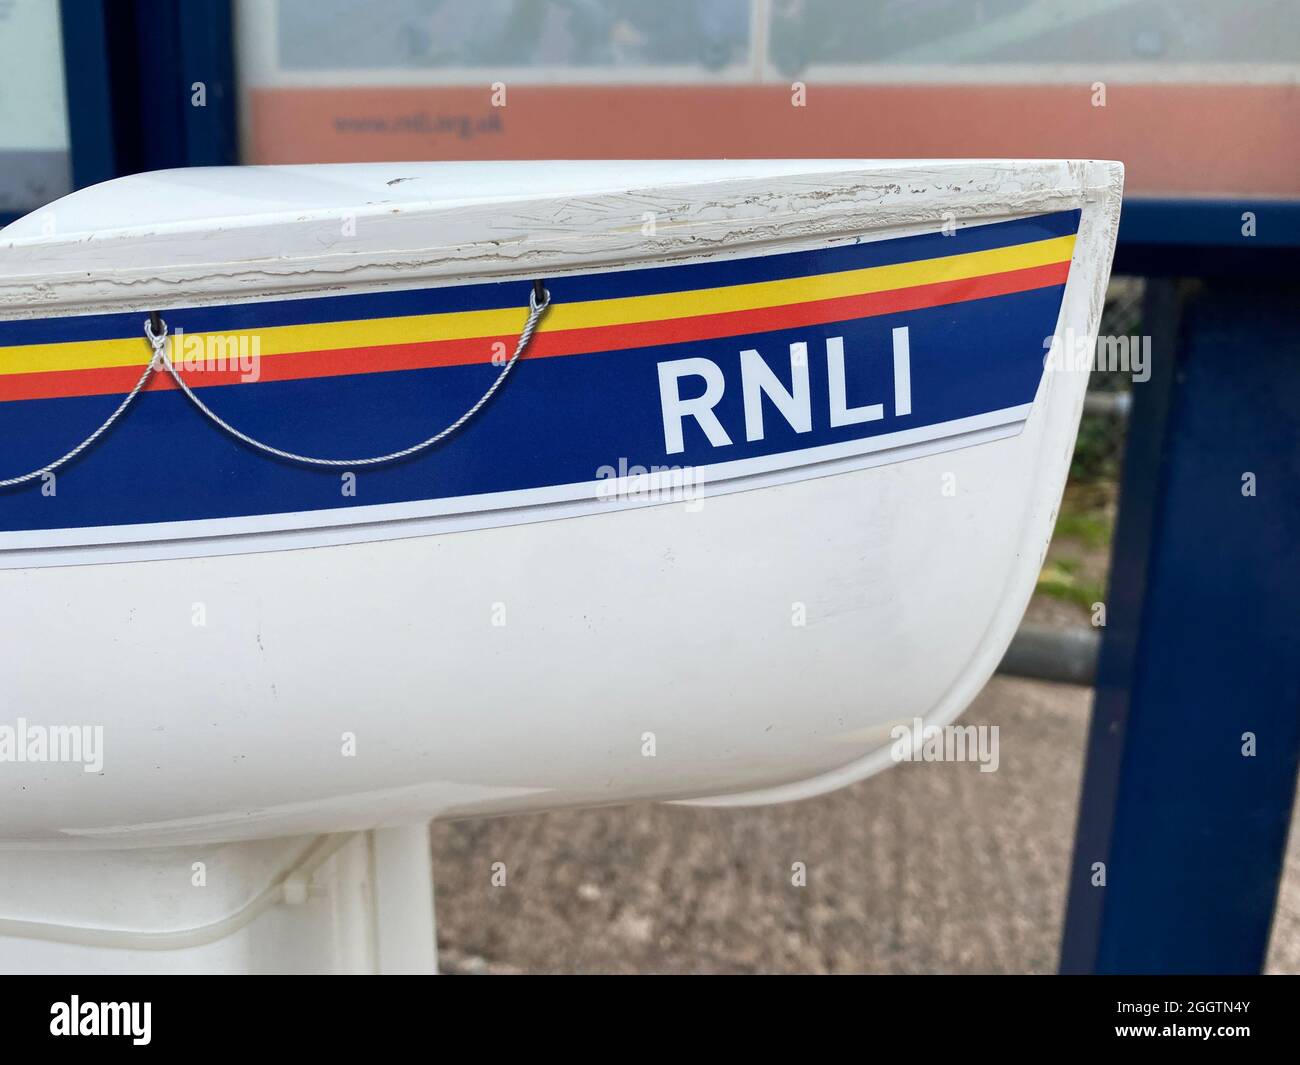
column 1083, row 529
column 1090, row 528
column 1057, row 581
column 1076, row 570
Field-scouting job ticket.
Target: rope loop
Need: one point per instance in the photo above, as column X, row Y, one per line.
column 155, row 331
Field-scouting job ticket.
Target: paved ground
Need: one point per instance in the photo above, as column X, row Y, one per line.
column 925, row 868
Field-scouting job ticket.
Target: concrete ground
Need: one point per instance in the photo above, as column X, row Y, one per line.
column 927, row 868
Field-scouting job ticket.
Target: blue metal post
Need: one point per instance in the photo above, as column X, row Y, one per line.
column 91, row 129
column 207, row 51
column 1195, row 739
column 150, row 85
column 186, row 94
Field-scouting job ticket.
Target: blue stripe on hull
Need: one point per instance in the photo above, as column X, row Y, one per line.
column 557, row 420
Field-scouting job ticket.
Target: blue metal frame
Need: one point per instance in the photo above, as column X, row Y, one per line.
column 181, row 46
column 130, row 69
column 1210, row 223
column 86, row 56
column 1202, row 646
column 207, row 50
column 1205, row 238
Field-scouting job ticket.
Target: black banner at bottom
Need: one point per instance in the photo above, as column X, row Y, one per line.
column 1225, row 1013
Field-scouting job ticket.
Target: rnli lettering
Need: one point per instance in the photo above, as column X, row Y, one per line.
column 757, row 379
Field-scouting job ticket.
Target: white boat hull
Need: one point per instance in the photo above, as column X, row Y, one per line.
column 521, row 667
column 756, row 641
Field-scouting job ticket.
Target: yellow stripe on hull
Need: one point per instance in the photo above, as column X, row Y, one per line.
column 467, row 325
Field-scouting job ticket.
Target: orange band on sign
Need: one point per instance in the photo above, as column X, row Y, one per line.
column 1175, row 139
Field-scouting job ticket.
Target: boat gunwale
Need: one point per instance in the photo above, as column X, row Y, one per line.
column 485, row 243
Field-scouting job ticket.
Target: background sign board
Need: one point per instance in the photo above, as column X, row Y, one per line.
column 1197, row 97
